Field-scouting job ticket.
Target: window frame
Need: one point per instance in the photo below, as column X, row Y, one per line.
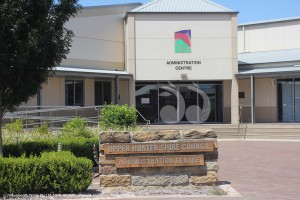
column 74, row 95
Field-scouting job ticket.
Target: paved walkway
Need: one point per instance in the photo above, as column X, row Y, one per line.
column 258, row 170
column 261, row 170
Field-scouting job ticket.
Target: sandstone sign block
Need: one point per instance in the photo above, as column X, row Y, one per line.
column 212, row 165
column 115, row 180
column 160, row 180
column 109, row 169
column 199, row 134
column 158, row 158
column 156, row 135
column 107, row 160
column 114, row 137
column 145, row 136
column 105, row 137
column 210, row 177
column 169, row 135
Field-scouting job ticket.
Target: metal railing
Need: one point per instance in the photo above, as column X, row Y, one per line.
column 242, row 127
column 56, row 116
column 147, row 121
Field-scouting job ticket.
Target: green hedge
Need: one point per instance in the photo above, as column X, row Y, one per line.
column 115, row 116
column 52, row 173
column 80, row 147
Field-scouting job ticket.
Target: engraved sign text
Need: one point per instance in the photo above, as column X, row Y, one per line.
column 159, row 161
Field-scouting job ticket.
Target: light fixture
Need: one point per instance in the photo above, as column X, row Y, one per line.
column 184, row 77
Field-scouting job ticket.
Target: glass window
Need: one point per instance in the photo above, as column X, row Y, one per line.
column 74, row 92
column 285, row 100
column 297, row 100
column 147, row 101
column 102, row 92
column 107, row 92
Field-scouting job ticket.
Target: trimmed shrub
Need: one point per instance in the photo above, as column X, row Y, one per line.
column 55, row 172
column 115, row 116
column 77, row 127
column 80, row 147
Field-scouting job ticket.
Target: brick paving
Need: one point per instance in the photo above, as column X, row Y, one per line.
column 265, row 170
column 261, row 170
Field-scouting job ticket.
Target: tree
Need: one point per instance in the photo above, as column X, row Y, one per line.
column 33, row 40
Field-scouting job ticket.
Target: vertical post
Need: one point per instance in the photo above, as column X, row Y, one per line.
column 26, row 121
column 59, row 147
column 293, row 100
column 252, row 99
column 16, row 140
column 50, row 124
column 39, row 103
column 117, row 80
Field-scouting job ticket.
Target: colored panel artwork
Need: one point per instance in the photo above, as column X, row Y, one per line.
column 183, row 41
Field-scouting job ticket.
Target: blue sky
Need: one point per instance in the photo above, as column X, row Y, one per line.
column 250, row 10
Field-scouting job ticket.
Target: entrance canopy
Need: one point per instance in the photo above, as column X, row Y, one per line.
column 94, row 73
column 270, row 72
column 269, row 63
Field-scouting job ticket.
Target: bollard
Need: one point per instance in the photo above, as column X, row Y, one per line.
column 59, row 147
column 16, row 140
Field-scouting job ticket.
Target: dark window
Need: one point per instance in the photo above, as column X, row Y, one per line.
column 74, row 92
column 102, row 92
column 242, row 95
column 286, row 100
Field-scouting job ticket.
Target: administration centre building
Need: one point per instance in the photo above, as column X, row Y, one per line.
column 180, row 61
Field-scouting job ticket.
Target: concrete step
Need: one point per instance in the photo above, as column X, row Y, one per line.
column 253, row 131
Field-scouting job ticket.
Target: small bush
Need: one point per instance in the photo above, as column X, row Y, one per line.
column 76, row 128
column 59, row 172
column 115, row 116
column 43, row 129
column 15, row 127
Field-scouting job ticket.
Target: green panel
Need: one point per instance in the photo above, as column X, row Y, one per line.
column 182, row 47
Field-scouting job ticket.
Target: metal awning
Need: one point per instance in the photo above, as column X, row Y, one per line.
column 265, row 57
column 93, row 73
column 269, row 72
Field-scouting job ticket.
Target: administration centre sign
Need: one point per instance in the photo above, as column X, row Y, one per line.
column 183, row 41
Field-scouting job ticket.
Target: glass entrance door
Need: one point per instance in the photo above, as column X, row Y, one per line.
column 169, row 103
column 175, row 102
column 189, row 108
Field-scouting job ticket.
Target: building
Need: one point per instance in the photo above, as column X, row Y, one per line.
column 180, row 61
column 269, row 52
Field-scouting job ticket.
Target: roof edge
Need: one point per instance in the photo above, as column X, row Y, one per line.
column 153, row 2
column 112, row 5
column 269, row 21
column 225, row 12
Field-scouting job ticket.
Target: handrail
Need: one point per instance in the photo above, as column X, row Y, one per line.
column 38, row 114
column 241, row 120
column 146, row 120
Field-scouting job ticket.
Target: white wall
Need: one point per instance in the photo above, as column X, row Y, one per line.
column 99, row 38
column 212, row 37
column 269, row 36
